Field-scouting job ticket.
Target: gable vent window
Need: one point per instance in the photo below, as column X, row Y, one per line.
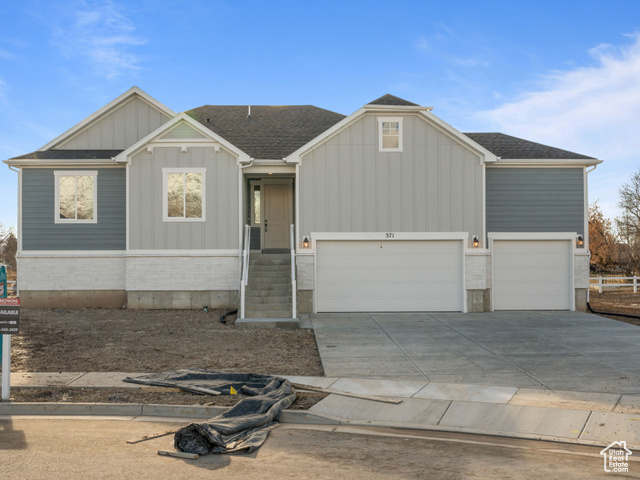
column 76, row 195
column 390, row 134
column 183, row 194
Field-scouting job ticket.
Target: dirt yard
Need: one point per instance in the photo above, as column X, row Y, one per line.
column 140, row 341
column 145, row 395
column 620, row 300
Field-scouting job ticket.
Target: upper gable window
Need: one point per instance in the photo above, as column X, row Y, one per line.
column 390, row 134
column 183, row 194
column 76, row 196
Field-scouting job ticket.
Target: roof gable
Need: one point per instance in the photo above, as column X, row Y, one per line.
column 194, row 132
column 117, row 105
column 183, row 131
column 424, row 112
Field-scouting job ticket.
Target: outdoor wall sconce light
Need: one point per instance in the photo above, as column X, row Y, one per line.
column 305, row 242
column 475, row 242
column 580, row 242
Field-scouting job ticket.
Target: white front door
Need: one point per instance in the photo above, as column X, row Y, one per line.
column 277, row 215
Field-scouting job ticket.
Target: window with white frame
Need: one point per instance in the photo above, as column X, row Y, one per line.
column 76, row 196
column 390, row 134
column 183, row 194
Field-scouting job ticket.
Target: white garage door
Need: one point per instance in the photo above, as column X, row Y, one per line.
column 389, row 276
column 532, row 275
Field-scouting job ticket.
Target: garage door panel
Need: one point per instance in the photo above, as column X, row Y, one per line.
column 388, row 276
column 532, row 275
column 373, row 276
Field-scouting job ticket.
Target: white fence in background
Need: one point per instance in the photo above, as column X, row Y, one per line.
column 613, row 282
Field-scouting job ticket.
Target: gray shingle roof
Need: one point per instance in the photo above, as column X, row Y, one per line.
column 514, row 148
column 389, row 99
column 70, row 155
column 272, row 132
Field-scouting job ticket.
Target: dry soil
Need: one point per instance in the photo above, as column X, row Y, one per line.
column 103, row 340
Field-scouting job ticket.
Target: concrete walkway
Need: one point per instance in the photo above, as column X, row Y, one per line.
column 568, row 377
column 539, row 350
column 577, row 417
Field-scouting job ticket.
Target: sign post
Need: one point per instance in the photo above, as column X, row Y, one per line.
column 9, row 325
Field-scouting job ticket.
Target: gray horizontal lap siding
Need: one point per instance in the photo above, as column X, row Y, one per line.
column 535, row 200
column 39, row 230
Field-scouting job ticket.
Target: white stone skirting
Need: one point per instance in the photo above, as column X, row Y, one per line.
column 55, row 271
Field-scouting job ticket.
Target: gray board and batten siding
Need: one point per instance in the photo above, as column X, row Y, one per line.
column 148, row 231
column 433, row 185
column 39, row 230
column 120, row 128
column 535, row 199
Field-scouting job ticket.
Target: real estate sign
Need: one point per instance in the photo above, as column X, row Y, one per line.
column 9, row 316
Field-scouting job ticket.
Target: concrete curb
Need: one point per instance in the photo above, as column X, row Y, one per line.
column 149, row 410
column 302, row 417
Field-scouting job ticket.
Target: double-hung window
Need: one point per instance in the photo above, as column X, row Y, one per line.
column 76, row 196
column 390, row 134
column 183, row 194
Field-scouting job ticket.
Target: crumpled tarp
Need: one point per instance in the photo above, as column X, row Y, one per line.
column 241, row 429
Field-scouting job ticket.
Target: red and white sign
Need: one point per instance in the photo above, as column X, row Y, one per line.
column 9, row 302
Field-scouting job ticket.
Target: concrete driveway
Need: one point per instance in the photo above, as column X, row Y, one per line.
column 554, row 350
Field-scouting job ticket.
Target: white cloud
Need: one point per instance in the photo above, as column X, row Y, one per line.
column 7, row 55
column 42, row 131
column 102, row 33
column 594, row 110
column 422, row 44
column 468, row 62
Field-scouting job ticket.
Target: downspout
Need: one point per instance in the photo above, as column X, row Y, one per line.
column 587, row 172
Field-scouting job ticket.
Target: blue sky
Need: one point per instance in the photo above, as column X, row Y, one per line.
column 564, row 73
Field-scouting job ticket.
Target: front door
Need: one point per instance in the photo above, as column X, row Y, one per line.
column 277, row 215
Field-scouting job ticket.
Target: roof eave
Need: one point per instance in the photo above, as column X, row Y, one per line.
column 546, row 162
column 62, row 162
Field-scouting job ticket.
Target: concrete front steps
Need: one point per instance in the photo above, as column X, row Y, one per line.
column 268, row 294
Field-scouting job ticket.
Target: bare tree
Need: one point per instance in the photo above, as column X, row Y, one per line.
column 8, row 250
column 628, row 224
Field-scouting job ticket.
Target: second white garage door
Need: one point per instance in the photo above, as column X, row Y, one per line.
column 532, row 275
column 389, row 276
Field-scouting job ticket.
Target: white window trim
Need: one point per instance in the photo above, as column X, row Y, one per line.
column 71, row 173
column 389, row 119
column 165, row 200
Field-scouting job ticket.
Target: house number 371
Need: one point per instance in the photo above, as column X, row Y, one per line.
column 390, row 235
